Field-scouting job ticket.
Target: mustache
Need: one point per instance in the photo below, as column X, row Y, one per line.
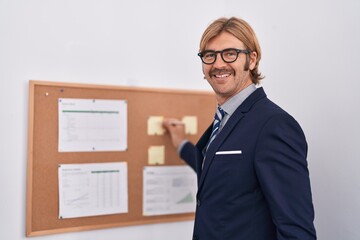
column 217, row 71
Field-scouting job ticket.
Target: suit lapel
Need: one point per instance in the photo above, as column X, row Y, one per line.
column 224, row 133
column 201, row 145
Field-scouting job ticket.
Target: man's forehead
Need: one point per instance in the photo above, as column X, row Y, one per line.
column 222, row 41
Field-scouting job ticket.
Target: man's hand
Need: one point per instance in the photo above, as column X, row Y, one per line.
column 176, row 129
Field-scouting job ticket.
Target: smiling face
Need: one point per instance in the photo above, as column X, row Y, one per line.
column 228, row 79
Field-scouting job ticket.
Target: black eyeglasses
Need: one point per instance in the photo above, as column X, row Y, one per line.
column 228, row 55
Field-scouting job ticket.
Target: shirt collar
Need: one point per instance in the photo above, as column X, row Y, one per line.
column 235, row 101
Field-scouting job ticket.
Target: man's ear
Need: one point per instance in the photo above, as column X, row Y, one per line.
column 253, row 58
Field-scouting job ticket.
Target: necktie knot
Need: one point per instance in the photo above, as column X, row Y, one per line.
column 219, row 114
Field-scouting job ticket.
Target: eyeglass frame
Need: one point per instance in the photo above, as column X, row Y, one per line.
column 238, row 51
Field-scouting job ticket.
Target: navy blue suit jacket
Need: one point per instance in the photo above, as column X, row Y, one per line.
column 262, row 190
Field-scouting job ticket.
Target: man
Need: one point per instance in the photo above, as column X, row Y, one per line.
column 253, row 180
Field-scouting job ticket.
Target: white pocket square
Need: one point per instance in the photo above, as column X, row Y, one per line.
column 228, row 152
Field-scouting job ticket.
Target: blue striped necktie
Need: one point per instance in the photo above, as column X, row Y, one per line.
column 216, row 125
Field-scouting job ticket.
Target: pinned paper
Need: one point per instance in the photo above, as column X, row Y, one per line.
column 190, row 124
column 156, row 155
column 155, row 125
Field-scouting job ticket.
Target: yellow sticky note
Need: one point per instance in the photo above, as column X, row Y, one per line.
column 156, row 155
column 155, row 125
column 190, row 124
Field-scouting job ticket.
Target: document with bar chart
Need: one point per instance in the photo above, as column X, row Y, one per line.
column 168, row 190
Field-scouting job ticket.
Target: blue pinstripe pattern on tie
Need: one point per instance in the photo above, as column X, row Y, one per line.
column 216, row 125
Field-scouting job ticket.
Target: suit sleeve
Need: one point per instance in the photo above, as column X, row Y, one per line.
column 188, row 153
column 281, row 167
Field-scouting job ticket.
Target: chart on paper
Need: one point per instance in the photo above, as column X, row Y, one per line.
column 168, row 190
column 92, row 189
column 92, row 125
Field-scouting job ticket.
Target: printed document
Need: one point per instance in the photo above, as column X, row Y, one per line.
column 87, row 125
column 92, row 189
column 168, row 190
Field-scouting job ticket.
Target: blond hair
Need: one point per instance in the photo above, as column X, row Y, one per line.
column 242, row 31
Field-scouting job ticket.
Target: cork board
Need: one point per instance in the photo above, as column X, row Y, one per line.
column 44, row 157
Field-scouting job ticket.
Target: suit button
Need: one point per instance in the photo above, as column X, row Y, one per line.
column 198, row 203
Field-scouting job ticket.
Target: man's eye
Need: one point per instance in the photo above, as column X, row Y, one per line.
column 209, row 55
column 230, row 54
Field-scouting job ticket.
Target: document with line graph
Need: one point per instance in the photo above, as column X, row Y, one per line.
column 92, row 189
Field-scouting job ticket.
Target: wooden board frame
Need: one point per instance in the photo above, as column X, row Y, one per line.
column 43, row 156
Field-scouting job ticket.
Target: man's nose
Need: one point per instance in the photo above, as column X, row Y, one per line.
column 219, row 61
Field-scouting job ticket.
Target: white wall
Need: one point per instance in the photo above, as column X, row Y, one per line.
column 310, row 51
